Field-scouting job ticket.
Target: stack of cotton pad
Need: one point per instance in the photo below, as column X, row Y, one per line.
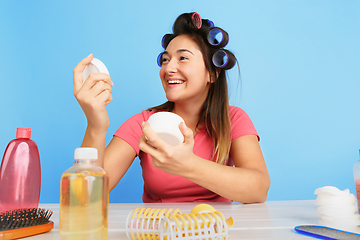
column 337, row 208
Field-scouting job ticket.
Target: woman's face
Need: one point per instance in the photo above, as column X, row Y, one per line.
column 183, row 73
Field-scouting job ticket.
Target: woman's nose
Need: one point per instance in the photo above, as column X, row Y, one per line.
column 171, row 67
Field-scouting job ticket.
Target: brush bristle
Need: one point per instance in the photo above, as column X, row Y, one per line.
column 20, row 218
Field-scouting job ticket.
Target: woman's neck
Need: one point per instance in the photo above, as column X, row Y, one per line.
column 190, row 114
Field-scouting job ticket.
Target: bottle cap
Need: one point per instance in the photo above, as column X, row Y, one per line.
column 84, row 153
column 95, row 66
column 23, row 132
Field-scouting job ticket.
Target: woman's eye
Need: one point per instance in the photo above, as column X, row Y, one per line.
column 183, row 58
column 164, row 60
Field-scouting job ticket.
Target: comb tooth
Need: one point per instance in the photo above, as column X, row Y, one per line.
column 14, row 224
column 32, row 221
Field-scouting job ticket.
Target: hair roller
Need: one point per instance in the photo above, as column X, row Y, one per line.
column 166, row 39
column 223, row 59
column 217, row 37
column 204, row 222
column 211, row 23
column 197, row 19
column 159, row 59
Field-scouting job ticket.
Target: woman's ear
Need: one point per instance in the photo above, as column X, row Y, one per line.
column 215, row 73
column 218, row 70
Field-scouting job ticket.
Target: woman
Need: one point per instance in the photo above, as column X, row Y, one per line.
column 220, row 158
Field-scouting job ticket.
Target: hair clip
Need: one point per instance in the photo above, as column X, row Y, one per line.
column 217, row 37
column 223, row 59
column 197, row 19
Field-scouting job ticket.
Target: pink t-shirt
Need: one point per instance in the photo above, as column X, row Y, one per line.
column 163, row 187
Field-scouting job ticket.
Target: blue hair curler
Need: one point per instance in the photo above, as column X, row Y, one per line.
column 217, row 37
column 211, row 23
column 159, row 59
column 164, row 39
column 223, row 59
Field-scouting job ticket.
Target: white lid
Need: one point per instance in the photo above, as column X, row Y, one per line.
column 84, row 153
column 95, row 66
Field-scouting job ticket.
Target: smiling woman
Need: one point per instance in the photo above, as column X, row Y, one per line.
column 220, row 158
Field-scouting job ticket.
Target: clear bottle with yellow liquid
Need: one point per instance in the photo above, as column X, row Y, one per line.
column 84, row 198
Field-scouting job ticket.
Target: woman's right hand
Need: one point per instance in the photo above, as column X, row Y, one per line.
column 93, row 94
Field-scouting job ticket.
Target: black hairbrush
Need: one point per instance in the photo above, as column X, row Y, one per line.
column 24, row 222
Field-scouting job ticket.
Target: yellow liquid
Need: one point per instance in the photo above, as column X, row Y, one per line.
column 84, row 206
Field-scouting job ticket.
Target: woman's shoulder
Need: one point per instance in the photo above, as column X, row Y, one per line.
column 141, row 116
column 236, row 112
column 241, row 123
column 235, row 108
column 238, row 117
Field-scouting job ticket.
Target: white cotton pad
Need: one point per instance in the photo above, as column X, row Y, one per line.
column 331, row 191
column 95, row 66
column 327, row 199
column 341, row 210
column 166, row 126
column 349, row 220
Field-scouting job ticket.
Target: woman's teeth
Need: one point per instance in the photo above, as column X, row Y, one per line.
column 175, row 81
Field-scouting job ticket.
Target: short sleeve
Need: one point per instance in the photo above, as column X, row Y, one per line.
column 131, row 130
column 241, row 123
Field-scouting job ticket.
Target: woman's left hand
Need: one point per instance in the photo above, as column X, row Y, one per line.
column 175, row 160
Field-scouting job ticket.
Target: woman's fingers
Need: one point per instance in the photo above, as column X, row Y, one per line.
column 77, row 72
column 97, row 95
column 94, row 78
column 151, row 136
column 99, row 87
column 97, row 84
column 187, row 132
column 170, row 159
column 103, row 91
column 159, row 143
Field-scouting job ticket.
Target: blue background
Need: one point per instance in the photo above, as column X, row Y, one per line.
column 299, row 63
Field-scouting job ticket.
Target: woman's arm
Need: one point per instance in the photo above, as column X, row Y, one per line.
column 93, row 95
column 119, row 156
column 247, row 182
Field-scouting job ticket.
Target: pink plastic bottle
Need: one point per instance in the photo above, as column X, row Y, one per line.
column 20, row 173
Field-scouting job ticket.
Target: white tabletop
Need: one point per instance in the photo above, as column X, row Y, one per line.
column 270, row 220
